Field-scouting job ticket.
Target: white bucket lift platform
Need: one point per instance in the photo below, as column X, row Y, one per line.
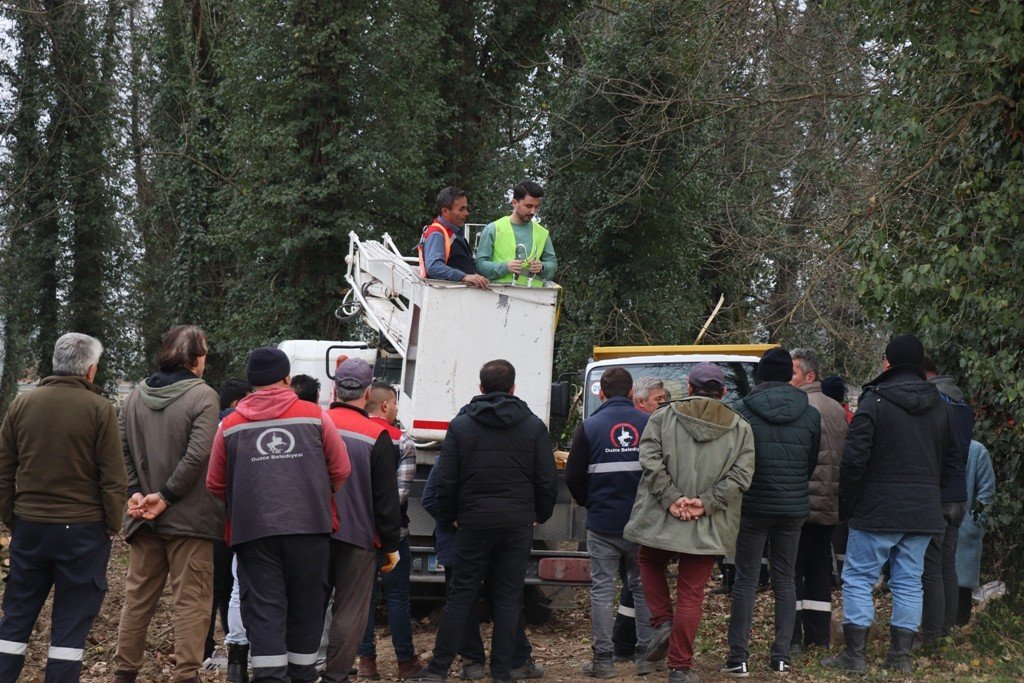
column 445, row 331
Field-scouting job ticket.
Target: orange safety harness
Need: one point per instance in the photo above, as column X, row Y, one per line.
column 427, row 231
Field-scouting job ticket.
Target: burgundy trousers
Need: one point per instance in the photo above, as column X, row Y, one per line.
column 693, row 574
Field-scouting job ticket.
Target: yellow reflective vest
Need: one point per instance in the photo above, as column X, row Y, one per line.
column 505, row 248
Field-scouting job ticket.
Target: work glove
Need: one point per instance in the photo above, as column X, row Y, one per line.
column 389, row 564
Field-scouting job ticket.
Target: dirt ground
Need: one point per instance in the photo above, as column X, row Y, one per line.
column 561, row 646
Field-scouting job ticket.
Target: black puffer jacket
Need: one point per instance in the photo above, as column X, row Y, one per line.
column 496, row 467
column 787, row 436
column 900, row 451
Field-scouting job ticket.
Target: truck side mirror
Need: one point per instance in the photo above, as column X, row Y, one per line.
column 338, row 361
column 560, row 400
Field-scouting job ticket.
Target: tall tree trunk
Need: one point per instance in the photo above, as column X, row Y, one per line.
column 84, row 62
column 27, row 196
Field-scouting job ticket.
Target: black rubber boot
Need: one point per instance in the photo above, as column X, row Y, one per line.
column 852, row 658
column 901, row 640
column 601, row 666
column 238, row 663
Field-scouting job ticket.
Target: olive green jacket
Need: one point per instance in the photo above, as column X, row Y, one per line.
column 699, row 448
column 167, row 434
column 60, row 462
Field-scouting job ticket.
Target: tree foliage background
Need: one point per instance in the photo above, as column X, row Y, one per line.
column 835, row 169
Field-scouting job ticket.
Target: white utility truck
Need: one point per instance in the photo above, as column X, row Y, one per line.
column 434, row 336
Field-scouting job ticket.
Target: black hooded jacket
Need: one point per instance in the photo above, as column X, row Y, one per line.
column 900, row 451
column 496, row 467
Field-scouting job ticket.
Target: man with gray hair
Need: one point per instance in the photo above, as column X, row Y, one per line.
column 649, row 393
column 368, row 513
column 813, row 571
column 62, row 492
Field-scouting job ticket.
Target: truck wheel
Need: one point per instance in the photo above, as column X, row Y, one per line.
column 535, row 605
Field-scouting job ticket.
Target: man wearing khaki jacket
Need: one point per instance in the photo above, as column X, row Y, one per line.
column 814, row 558
column 167, row 428
column 697, row 456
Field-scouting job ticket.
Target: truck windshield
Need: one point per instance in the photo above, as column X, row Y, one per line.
column 739, row 377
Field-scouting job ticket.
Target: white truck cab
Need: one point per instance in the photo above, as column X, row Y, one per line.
column 671, row 364
column 319, row 358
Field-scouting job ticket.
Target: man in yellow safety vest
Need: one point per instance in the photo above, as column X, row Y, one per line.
column 516, row 249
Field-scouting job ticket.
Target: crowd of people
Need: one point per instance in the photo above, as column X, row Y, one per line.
column 256, row 505
column 280, row 516
column 787, row 472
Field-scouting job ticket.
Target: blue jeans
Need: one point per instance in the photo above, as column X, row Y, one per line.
column 866, row 552
column 395, row 586
column 236, row 629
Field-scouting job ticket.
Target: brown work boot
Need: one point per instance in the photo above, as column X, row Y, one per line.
column 409, row 668
column 367, row 670
column 125, row 676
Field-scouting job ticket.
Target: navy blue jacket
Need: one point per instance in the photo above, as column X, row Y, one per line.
column 963, row 424
column 603, row 469
column 444, row 532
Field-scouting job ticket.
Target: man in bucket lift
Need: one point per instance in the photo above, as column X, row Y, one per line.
column 443, row 250
column 516, row 249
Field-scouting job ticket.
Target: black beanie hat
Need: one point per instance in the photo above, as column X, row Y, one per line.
column 834, row 387
column 266, row 365
column 905, row 349
column 776, row 365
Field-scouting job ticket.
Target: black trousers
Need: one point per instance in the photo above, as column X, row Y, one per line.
column 813, row 576
column 222, row 584
column 939, row 582
column 964, row 605
column 624, row 628
column 282, row 583
column 499, row 557
column 472, row 647
column 840, row 535
column 71, row 559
